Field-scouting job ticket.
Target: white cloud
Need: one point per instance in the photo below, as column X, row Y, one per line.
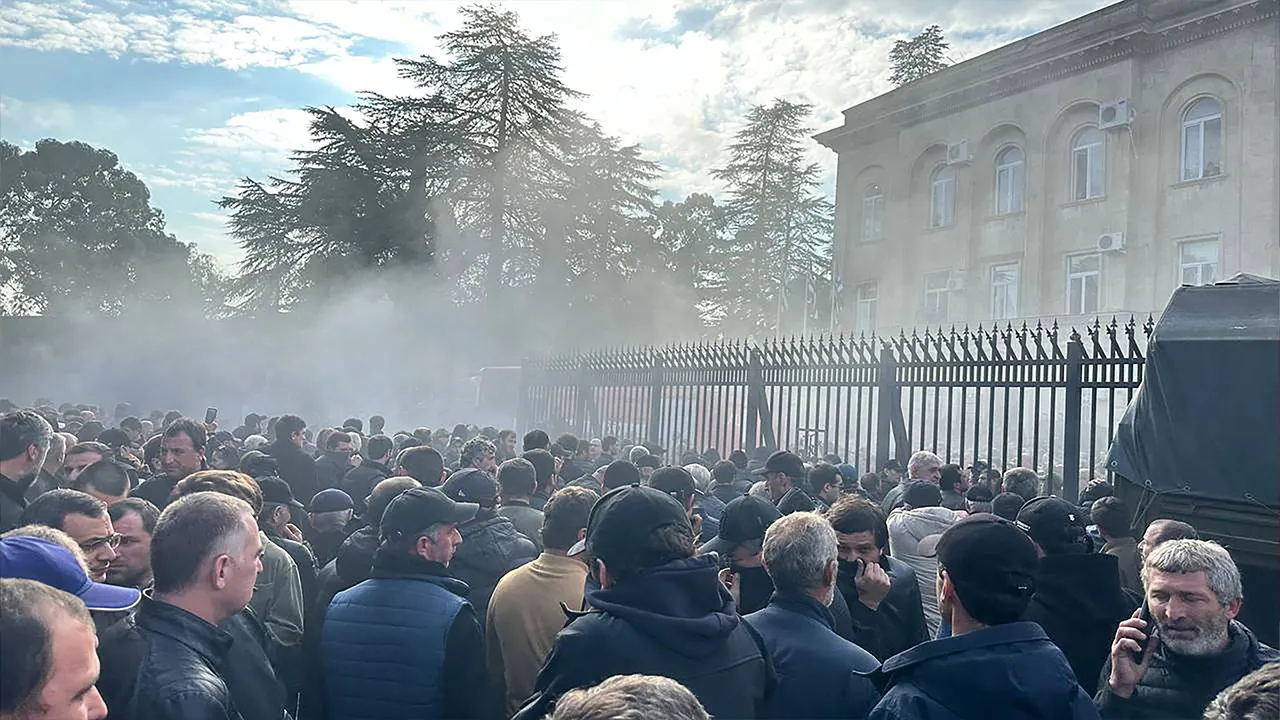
column 265, row 137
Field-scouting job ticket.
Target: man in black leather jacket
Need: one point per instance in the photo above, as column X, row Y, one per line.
column 166, row 662
column 881, row 593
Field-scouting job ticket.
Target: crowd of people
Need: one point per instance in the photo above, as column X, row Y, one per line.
column 167, row 569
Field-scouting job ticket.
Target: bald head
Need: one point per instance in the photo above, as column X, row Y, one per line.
column 1164, row 530
column 383, row 493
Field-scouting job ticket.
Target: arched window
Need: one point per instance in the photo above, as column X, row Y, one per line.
column 872, row 213
column 942, row 197
column 1009, row 180
column 1202, row 140
column 1088, row 164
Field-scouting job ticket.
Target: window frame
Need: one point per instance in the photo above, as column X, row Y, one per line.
column 994, row 290
column 1017, row 181
column 872, row 207
column 860, row 302
column 936, row 181
column 1076, row 147
column 1083, row 277
column 1184, row 266
column 941, row 310
column 1200, row 123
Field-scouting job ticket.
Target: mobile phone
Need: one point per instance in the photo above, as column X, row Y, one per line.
column 1149, row 629
column 210, row 414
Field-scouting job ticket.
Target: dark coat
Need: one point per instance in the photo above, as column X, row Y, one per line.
column 331, row 467
column 676, row 621
column 491, row 547
column 1010, row 672
column 296, row 468
column 155, row 490
column 820, row 674
column 726, row 493
column 897, row 624
column 1178, row 687
column 12, row 502
column 1079, row 602
column 359, row 481
column 302, row 557
column 527, row 520
column 162, row 663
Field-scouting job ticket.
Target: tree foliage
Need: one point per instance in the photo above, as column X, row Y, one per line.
column 920, row 56
column 78, row 235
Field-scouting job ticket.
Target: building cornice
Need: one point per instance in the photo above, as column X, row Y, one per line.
column 1121, row 31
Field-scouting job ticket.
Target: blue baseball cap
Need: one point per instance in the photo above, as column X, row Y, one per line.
column 32, row 558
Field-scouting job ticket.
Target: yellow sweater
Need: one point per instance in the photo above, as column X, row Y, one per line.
column 523, row 618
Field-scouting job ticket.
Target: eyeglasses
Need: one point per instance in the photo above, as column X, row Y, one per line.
column 96, row 544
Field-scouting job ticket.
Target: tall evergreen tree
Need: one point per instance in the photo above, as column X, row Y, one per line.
column 920, row 56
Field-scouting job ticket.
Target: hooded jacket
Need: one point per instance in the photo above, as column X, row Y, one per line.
column 1078, row 601
column 907, row 528
column 491, row 547
column 1178, row 687
column 675, row 620
column 1010, row 672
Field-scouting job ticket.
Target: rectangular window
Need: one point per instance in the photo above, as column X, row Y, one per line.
column 1009, row 189
column 936, row 296
column 872, row 218
column 868, row 294
column 1004, row 292
column 1202, row 149
column 1087, row 172
column 1084, row 273
column 942, row 201
column 1198, row 262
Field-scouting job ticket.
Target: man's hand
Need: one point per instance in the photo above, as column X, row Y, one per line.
column 1130, row 638
column 730, row 580
column 696, row 522
column 873, row 584
column 292, row 532
column 211, row 428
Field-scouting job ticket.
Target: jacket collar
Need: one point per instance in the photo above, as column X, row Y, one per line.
column 1120, row 542
column 392, row 565
column 14, row 490
column 987, row 637
column 211, row 642
column 801, row 604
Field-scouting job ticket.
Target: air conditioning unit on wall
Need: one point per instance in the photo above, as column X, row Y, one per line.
column 958, row 153
column 1114, row 114
column 1111, row 242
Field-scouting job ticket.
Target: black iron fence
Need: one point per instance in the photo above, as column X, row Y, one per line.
column 1039, row 397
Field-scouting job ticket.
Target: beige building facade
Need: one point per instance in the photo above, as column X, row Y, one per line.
column 1089, row 169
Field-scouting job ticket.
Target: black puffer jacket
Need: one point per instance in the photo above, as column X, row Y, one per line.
column 1079, row 603
column 1178, row 687
column 160, row 664
column 491, row 547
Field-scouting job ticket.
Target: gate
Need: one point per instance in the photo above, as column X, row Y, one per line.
column 1009, row 396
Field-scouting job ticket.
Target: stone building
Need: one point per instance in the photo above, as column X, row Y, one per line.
column 1088, row 169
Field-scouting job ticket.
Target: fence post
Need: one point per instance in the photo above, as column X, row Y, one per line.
column 582, row 418
column 657, row 384
column 755, row 378
column 888, row 404
column 1071, row 422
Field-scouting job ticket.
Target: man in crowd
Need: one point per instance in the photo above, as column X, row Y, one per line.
column 536, row 440
column 479, row 453
column 1078, row 600
column 1192, row 648
column 134, row 519
column 330, row 515
column 181, row 454
column 952, row 483
column 740, row 547
column 660, row 611
column 507, row 445
column 48, row 668
column 491, row 546
column 823, row 484
column 992, row 665
column 80, row 456
column 881, row 591
column 631, row 696
column 724, row 482
column 914, row 527
column 1022, row 482
column 819, row 674
column 679, row 484
column 784, row 474
column 923, row 465
column 108, row 481
column 545, row 467
column 527, row 607
column 405, row 643
column 49, row 477
column 359, row 480
column 85, row 519
column 168, row 661
column 334, row 463
column 1255, row 697
column 1161, row 531
column 50, row 556
column 517, row 480
column 295, row 466
column 422, row 463
column 275, row 518
column 646, row 463
column 24, row 443
column 1111, row 515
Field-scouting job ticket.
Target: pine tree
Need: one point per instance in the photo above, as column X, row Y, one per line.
column 920, row 56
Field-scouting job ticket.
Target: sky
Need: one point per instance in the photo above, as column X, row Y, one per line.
column 194, row 94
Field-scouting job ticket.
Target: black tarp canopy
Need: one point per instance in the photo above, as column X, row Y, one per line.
column 1206, row 420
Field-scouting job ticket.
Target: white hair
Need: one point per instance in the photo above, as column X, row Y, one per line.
column 1180, row 557
column 701, row 475
column 919, row 459
column 759, row 489
column 253, row 442
column 798, row 548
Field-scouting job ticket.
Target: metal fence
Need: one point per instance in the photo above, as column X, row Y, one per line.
column 1039, row 397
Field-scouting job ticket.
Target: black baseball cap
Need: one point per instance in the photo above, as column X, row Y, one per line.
column 620, row 473
column 922, row 493
column 1056, row 525
column 986, row 555
column 417, row 509
column 676, row 482
column 623, row 518
column 276, row 490
column 1007, row 505
column 331, row 500
column 471, row 485
column 649, row 461
column 744, row 518
column 787, row 463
